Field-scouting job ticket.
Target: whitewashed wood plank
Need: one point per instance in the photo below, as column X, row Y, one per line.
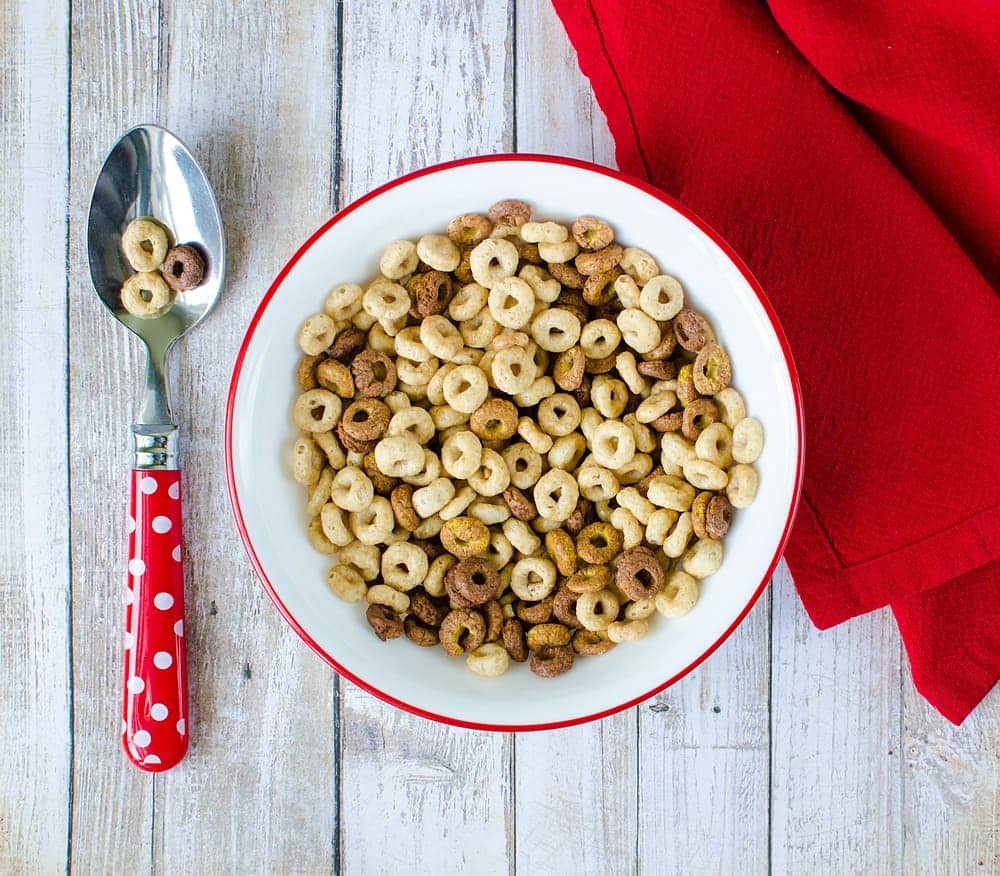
column 113, row 85
column 422, row 82
column 257, row 790
column 836, row 789
column 34, row 481
column 575, row 789
column 951, row 788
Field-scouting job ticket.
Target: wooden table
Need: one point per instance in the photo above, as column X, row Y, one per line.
column 790, row 750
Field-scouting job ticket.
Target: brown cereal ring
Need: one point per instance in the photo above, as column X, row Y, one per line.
column 591, row 233
column 462, row 630
column 430, row 293
column 691, row 330
column 564, row 608
column 582, row 392
column 550, row 662
column 598, row 262
column 429, row 546
column 571, row 300
column 336, row 377
column 419, row 633
column 658, row 369
column 183, row 268
column 305, row 374
column 669, row 422
column 346, row 344
column 383, row 484
column 520, row 505
column 599, row 289
column 599, row 543
column 374, row 373
column 639, row 574
column 560, row 547
column 719, row 517
column 568, row 369
column 548, row 636
column 699, row 414
column 469, row 229
column 668, row 343
column 712, row 369
column 474, row 581
column 643, row 485
column 588, row 644
column 401, row 501
column 607, row 311
column 384, row 621
column 685, row 385
column 493, row 613
column 494, row 420
column 527, row 253
column 465, row 537
column 514, row 639
column 366, row 419
column 535, row 612
column 600, row 366
column 567, row 275
column 425, row 608
column 589, row 579
column 509, row 211
column 353, row 444
column 699, row 508
column 580, row 516
column 463, row 273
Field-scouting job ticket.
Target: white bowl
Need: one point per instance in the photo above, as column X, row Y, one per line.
column 269, row 506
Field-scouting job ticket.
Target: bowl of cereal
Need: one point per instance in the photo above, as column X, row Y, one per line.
column 514, row 442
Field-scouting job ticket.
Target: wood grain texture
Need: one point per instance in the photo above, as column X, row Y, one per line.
column 590, row 769
column 34, row 481
column 257, row 788
column 836, row 783
column 113, row 85
column 422, row 82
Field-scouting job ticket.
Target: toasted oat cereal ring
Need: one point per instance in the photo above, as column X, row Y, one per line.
column 462, row 630
column 658, row 369
column 699, row 510
column 366, row 419
column 473, row 580
column 600, row 338
column 384, row 621
column 336, row 377
column 731, row 406
column 613, row 444
column 556, row 493
column 346, row 344
column 589, row 579
column 374, row 374
column 430, row 293
column 599, row 543
column 145, row 243
column 698, row 415
column 465, row 388
column 492, row 476
column 638, row 574
column 703, row 558
column 513, row 370
column 670, row 422
column 567, row 275
column 564, row 608
column 600, row 366
column 551, row 662
column 183, row 268
column 598, row 262
column 524, row 464
column 629, row 630
column 555, row 330
column 305, row 373
column 528, row 253
column 686, row 391
column 535, row 612
column 469, row 229
column 639, row 330
column 662, row 297
column 559, row 545
column 494, row 420
column 691, row 330
column 511, row 302
column 559, row 414
column 592, row 234
column 718, row 517
column 147, row 296
column 465, row 537
column 514, row 639
column 747, row 440
column 463, row 273
column 419, row 633
column 597, row 610
column 509, row 211
column 599, row 288
column 438, row 252
column 591, row 644
column 426, row 609
column 712, row 369
column 493, row 260
column 568, row 369
column 580, row 517
column 548, row 635
column 492, row 613
column 742, row 487
column 401, row 500
column 533, row 578
column 521, row 507
column 316, row 410
column 488, row 661
column 664, row 349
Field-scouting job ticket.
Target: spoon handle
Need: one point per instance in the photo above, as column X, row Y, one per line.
column 155, row 704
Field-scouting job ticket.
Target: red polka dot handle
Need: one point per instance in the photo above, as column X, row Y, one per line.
column 155, row 705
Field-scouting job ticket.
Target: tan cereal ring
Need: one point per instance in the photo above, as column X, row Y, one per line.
column 336, row 377
column 493, row 614
column 698, row 414
column 599, row 543
column 374, row 374
column 591, row 644
column 589, row 579
column 712, row 369
column 567, row 275
column 548, row 635
column 509, row 211
column 559, row 545
column 670, row 422
column 494, row 420
column 401, row 500
column 592, row 234
column 147, row 296
column 658, row 369
column 465, row 537
column 691, row 330
column 568, row 369
column 473, row 580
column 599, row 287
column 638, row 574
column 462, row 630
column 469, row 229
column 144, row 243
column 699, row 510
column 598, row 262
column 305, row 373
column 514, row 639
column 316, row 410
column 384, row 621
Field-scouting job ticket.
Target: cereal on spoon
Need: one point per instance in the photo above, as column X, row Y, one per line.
column 519, row 442
column 161, row 270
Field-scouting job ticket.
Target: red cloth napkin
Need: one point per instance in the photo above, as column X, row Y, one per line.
column 850, row 151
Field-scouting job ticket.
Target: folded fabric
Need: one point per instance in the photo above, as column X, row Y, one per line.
column 886, row 303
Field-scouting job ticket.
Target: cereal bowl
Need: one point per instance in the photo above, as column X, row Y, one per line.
column 268, row 504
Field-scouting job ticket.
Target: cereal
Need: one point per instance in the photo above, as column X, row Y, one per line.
column 374, row 374
column 461, row 454
column 677, row 538
column 488, row 661
column 351, row 489
column 465, row 537
column 465, row 388
column 533, row 578
column 628, row 631
column 511, row 302
column 569, row 369
column 404, row 566
column 521, row 507
column 556, row 494
column 419, row 633
column 670, row 491
column 639, row 330
column 591, row 644
column 524, row 464
column 703, row 558
column 555, row 330
column 742, row 487
column 494, row 420
column 638, row 574
column 716, row 444
column 461, row 631
column 558, row 253
column 438, row 251
column 399, row 456
column 183, row 268
column 639, row 264
column 144, row 243
column 747, row 440
column 731, row 407
column 307, row 461
column 613, row 444
column 493, row 260
column 698, row 415
column 691, row 330
column 662, row 297
column 552, row 662
column 345, row 583
column 473, row 581
column 703, row 475
column 399, row 259
column 492, row 477
column 384, row 621
column 336, row 377
column 316, row 410
column 510, row 212
column 513, row 370
column 592, row 233
column 598, row 543
column 469, row 229
column 597, row 610
column 147, row 296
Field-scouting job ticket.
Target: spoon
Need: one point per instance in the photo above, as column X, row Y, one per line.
column 149, row 172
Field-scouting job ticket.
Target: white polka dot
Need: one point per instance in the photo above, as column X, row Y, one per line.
column 181, row 726
column 158, row 711
column 147, row 485
column 129, row 596
column 163, row 660
column 151, row 759
column 162, row 524
column 129, row 640
column 175, row 490
column 176, row 553
column 135, row 685
column 130, row 524
column 163, row 601
column 142, row 738
column 136, row 566
column 179, row 629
